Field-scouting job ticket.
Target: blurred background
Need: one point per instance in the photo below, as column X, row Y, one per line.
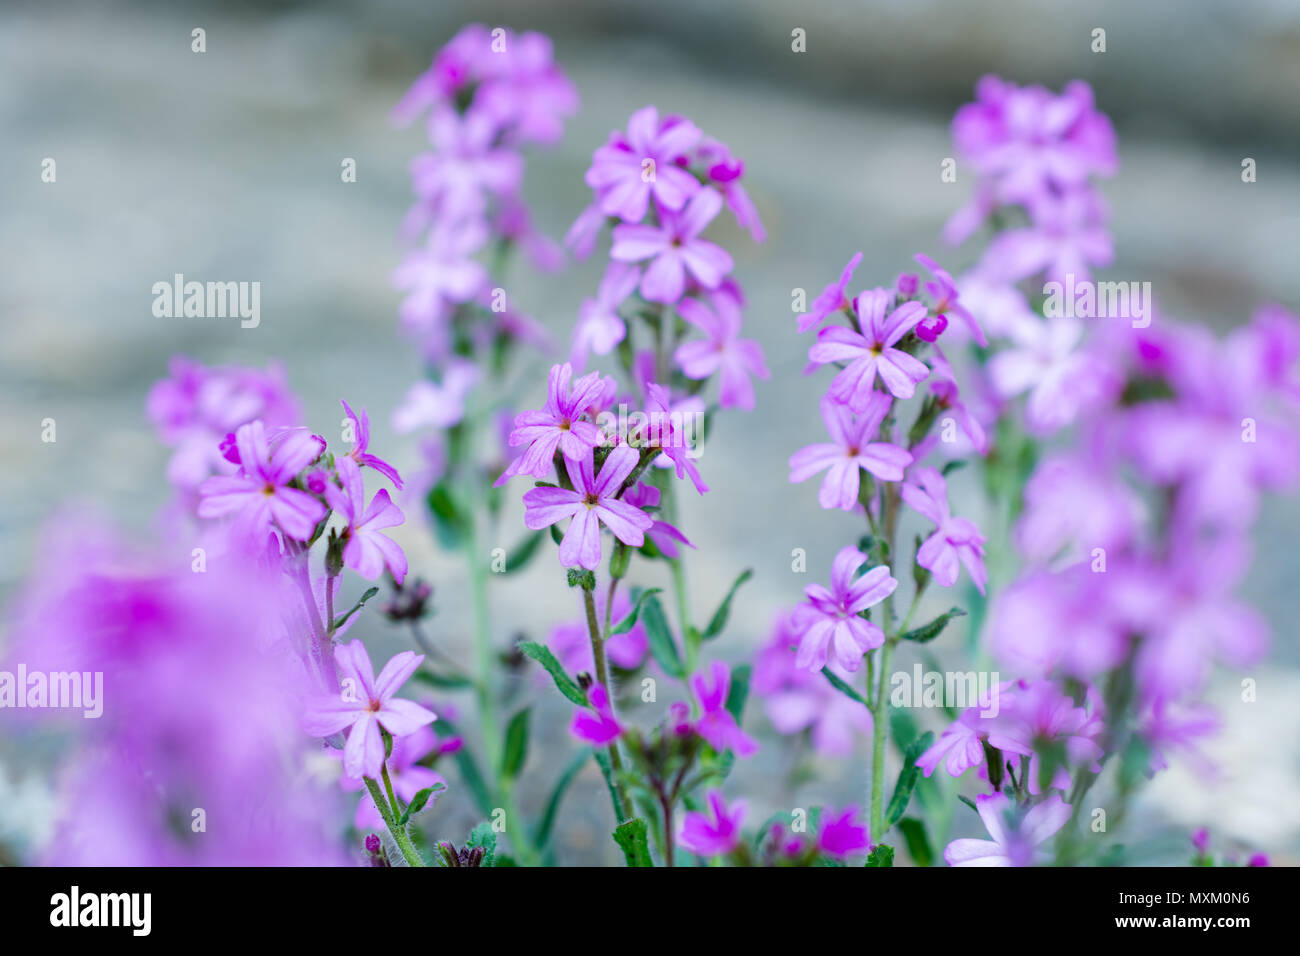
column 225, row 165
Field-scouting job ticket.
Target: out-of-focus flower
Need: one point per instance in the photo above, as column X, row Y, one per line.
column 1012, row 845
column 841, row 835
column 716, row 724
column 723, row 351
column 716, row 832
column 955, row 541
column 597, row 725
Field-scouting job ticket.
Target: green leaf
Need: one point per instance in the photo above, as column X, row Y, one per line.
column 418, row 802
column 662, row 645
column 448, row 523
column 523, row 552
column 542, row 833
column 928, row 632
column 581, row 578
column 719, row 619
column 881, row 855
column 484, row 836
column 470, row 774
column 442, row 681
column 340, row 621
column 843, row 687
column 629, row 620
column 918, row 844
column 955, row 465
column 969, row 802
column 516, row 751
column 566, row 684
column 631, row 836
column 907, row 778
column 739, row 692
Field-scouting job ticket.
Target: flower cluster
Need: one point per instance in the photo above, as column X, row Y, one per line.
column 661, row 184
column 487, row 95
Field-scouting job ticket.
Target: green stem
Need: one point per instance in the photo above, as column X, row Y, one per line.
column 879, row 722
column 399, row 834
column 602, row 676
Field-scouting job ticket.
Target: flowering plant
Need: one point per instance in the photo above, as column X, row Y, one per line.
column 1020, row 451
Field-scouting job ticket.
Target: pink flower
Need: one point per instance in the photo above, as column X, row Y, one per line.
column 1046, row 362
column 437, row 405
column 360, row 453
column 946, row 300
column 829, row 620
column 558, row 425
column 841, row 836
column 849, row 451
column 365, row 704
column 260, row 496
column 628, row 169
column 833, row 298
column 597, row 725
column 716, row 832
column 665, row 430
column 439, row 277
column 408, row 776
column 872, row 352
column 796, row 699
column 955, row 540
column 592, row 502
column 1015, row 846
column 367, row 551
column 675, row 248
column 665, row 536
column 600, row 328
column 716, row 725
column 723, row 351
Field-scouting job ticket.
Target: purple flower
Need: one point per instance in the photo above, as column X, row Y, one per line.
column 437, row 405
column 723, row 351
column 405, row 772
column 1011, row 846
column 260, row 496
column 360, row 453
column 842, row 836
column 675, row 248
column 849, row 451
column 955, row 540
column 558, row 425
column 832, row 299
column 664, row 430
column 571, row 641
column 592, row 502
column 1066, row 237
column 960, row 746
column 465, row 168
column 716, row 832
column 600, row 328
column 946, row 300
column 871, row 352
column 628, row 169
column 197, row 406
column 796, row 699
column 367, row 551
column 829, row 621
column 596, row 726
column 363, row 705
column 439, row 277
column 665, row 536
column 716, row 724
